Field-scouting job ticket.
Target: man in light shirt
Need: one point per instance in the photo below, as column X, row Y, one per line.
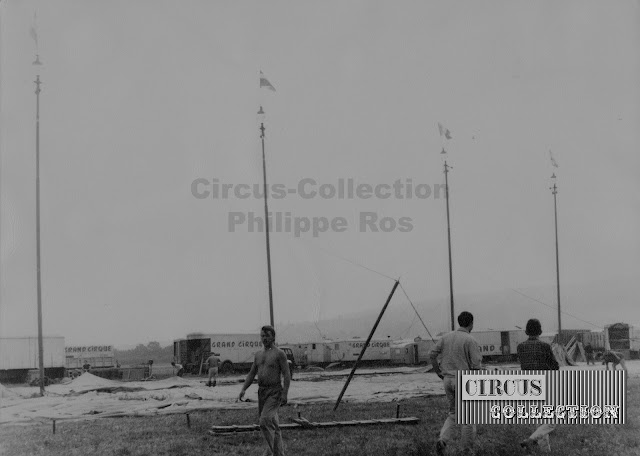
column 213, row 362
column 458, row 350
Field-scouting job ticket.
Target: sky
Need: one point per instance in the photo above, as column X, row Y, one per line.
column 147, row 107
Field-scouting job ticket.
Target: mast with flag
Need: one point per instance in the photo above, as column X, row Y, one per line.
column 445, row 135
column 34, row 34
column 554, row 192
column 264, row 83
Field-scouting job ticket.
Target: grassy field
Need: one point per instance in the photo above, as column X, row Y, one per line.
column 169, row 435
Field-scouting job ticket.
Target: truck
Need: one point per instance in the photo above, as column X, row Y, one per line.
column 19, row 358
column 235, row 350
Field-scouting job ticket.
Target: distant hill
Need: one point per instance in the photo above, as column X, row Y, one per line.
column 584, row 306
column 124, row 347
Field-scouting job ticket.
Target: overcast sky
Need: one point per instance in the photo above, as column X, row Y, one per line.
column 141, row 99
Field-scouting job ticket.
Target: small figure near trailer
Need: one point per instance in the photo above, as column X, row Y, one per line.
column 213, row 362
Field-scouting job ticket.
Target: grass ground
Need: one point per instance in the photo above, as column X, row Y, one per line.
column 169, row 435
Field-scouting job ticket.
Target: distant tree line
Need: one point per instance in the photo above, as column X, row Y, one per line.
column 141, row 354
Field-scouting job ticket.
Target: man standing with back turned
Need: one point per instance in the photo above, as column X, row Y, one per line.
column 536, row 355
column 213, row 362
column 270, row 364
column 459, row 351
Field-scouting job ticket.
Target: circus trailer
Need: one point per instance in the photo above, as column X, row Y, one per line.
column 235, row 350
column 20, row 355
column 97, row 356
column 498, row 344
column 623, row 338
column 297, row 350
column 404, row 352
column 320, row 353
column 424, row 347
column 349, row 350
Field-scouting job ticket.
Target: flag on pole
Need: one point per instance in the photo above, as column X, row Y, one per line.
column 553, row 160
column 32, row 30
column 265, row 83
column 34, row 35
column 444, row 131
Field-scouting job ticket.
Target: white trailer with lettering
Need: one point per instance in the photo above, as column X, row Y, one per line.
column 499, row 344
column 235, row 350
column 349, row 350
column 94, row 355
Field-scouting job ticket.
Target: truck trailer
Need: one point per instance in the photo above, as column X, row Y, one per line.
column 19, row 356
column 235, row 350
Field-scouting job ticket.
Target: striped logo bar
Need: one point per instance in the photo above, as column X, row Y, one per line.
column 536, row 397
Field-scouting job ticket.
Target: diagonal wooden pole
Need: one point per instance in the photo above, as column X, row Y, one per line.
column 373, row 330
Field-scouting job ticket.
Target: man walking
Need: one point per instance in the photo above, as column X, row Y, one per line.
column 458, row 351
column 536, row 355
column 213, row 362
column 270, row 364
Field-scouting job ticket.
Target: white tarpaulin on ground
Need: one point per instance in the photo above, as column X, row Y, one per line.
column 90, row 397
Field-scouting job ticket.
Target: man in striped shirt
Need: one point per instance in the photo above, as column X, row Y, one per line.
column 536, row 355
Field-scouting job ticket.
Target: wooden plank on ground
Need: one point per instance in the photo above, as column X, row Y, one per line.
column 232, row 429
